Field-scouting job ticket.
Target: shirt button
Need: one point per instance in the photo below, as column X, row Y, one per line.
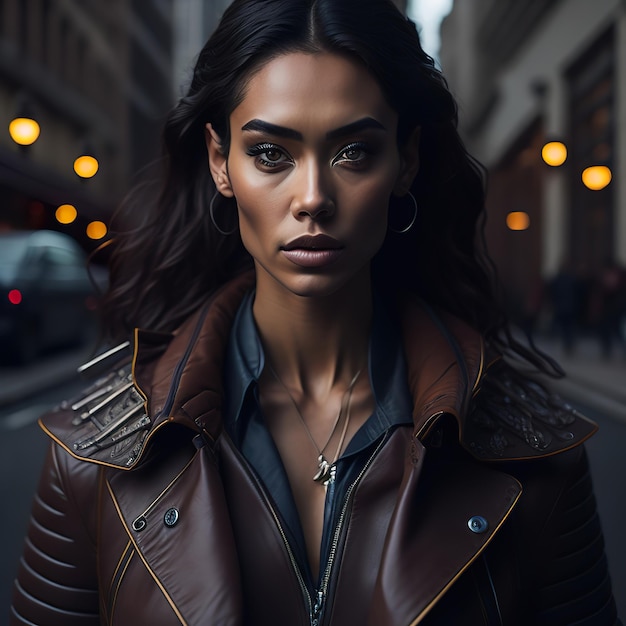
column 171, row 517
column 477, row 524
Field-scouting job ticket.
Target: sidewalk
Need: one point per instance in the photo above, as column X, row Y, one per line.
column 20, row 383
column 590, row 379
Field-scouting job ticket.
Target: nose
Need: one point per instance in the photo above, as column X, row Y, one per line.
column 313, row 197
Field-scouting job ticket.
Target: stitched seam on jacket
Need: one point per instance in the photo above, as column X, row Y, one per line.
column 122, row 562
column 156, row 500
column 103, row 604
column 147, row 566
column 119, row 583
column 564, row 487
column 85, row 459
column 438, row 597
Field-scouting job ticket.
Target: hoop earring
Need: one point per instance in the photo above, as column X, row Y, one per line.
column 226, row 233
column 406, row 229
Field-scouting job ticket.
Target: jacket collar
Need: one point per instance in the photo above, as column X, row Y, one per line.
column 177, row 378
column 444, row 362
column 187, row 385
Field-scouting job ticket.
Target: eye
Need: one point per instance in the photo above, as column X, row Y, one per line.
column 354, row 155
column 269, row 155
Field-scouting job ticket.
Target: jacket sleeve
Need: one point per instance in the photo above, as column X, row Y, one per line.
column 570, row 570
column 56, row 581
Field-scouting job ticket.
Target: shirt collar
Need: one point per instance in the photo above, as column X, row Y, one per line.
column 245, row 361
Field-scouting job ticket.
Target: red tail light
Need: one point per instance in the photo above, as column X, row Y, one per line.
column 15, row 296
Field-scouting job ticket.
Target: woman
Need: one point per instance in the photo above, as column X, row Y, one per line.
column 317, row 424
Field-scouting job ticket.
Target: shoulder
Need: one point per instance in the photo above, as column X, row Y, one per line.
column 504, row 411
column 106, row 423
column 514, row 415
column 153, row 381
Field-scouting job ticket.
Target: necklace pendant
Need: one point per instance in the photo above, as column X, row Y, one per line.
column 324, row 470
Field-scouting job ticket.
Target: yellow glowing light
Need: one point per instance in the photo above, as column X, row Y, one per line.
column 554, row 153
column 24, row 131
column 66, row 214
column 96, row 230
column 518, row 220
column 86, row 166
column 597, row 177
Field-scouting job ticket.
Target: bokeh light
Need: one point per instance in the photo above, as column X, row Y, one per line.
column 96, row 230
column 66, row 214
column 15, row 296
column 554, row 153
column 597, row 177
column 86, row 166
column 518, row 220
column 24, row 130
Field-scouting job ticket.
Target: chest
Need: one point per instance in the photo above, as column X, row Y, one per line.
column 308, row 452
column 402, row 542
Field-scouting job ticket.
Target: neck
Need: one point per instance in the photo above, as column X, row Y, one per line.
column 315, row 343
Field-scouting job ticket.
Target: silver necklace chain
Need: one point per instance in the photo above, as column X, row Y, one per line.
column 324, row 467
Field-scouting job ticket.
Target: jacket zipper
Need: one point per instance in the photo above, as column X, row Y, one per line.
column 323, row 590
column 178, row 370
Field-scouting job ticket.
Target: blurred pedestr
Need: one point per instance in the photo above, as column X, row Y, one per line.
column 46, row 296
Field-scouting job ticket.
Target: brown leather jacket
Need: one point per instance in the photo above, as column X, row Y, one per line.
column 482, row 513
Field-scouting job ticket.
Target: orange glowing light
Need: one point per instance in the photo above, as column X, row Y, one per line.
column 66, row 214
column 86, row 166
column 518, row 220
column 15, row 296
column 24, row 131
column 554, row 153
column 96, row 230
column 597, row 177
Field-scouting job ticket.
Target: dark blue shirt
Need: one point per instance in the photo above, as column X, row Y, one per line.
column 245, row 424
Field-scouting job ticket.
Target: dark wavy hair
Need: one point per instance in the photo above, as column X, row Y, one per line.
column 167, row 264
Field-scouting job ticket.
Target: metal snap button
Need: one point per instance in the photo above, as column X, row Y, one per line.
column 171, row 517
column 477, row 524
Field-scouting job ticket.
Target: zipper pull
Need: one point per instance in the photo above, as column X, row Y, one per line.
column 317, row 608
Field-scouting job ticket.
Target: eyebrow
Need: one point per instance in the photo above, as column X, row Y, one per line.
column 366, row 123
column 272, row 129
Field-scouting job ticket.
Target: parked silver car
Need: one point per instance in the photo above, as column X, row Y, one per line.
column 46, row 297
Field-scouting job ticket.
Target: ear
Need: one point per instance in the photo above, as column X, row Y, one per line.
column 218, row 162
column 409, row 163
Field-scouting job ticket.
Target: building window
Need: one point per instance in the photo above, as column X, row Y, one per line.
column 22, row 26
column 591, row 83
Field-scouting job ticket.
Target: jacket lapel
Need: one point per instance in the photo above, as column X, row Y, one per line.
column 447, row 512
column 448, row 508
column 175, row 515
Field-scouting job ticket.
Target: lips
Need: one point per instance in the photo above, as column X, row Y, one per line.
column 313, row 251
column 313, row 242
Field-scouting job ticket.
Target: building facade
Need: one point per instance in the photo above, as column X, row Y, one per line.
column 527, row 73
column 96, row 76
column 194, row 21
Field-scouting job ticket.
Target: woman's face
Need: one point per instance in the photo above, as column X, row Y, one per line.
column 313, row 161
